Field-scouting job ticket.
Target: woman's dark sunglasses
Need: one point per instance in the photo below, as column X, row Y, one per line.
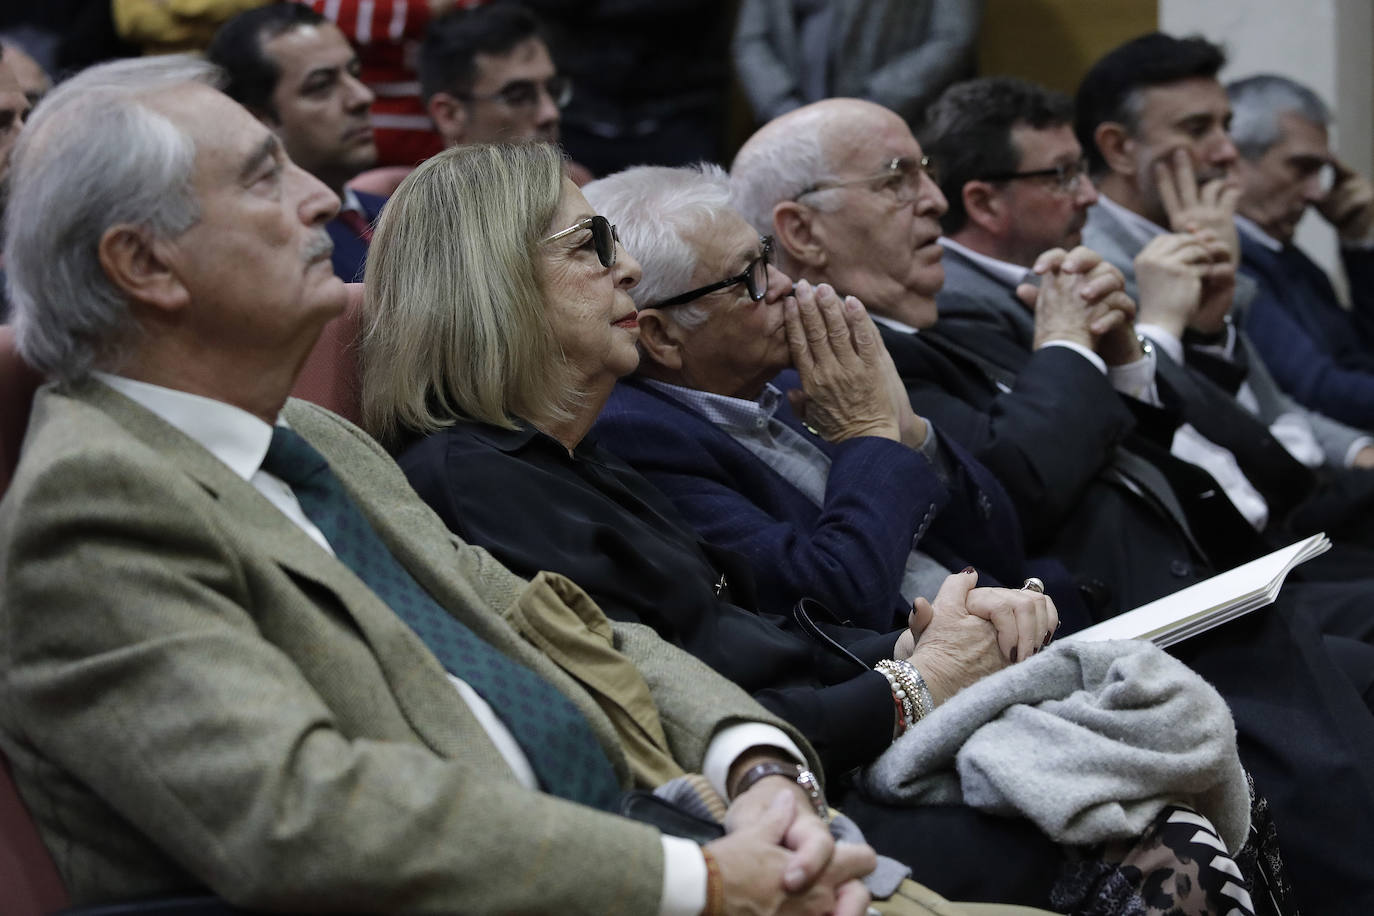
column 754, row 278
column 604, row 237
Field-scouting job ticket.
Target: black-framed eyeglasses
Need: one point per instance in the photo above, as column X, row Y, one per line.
column 604, row 237
column 900, row 179
column 1066, row 175
column 754, row 278
column 524, row 94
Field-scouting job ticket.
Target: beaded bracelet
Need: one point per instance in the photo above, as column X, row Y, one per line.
column 906, row 713
column 918, row 689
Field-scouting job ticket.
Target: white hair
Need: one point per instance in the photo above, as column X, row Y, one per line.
column 1257, row 104
column 653, row 207
column 93, row 155
column 781, row 161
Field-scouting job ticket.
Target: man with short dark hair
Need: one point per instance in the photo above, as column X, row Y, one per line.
column 1320, row 352
column 1155, row 121
column 295, row 71
column 1015, row 175
column 487, row 77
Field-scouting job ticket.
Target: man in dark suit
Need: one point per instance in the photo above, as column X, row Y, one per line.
column 242, row 654
column 833, row 182
column 296, row 72
column 1319, row 351
column 1013, row 171
column 1152, row 118
column 1073, row 492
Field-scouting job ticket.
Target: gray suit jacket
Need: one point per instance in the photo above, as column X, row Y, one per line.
column 898, row 53
column 1112, row 239
column 197, row 694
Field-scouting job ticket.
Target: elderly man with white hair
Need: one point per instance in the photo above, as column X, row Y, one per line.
column 1319, row 351
column 839, row 185
column 839, row 492
column 240, row 653
column 845, row 495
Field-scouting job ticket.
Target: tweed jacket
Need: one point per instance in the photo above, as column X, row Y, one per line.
column 1319, row 352
column 196, row 694
column 1109, row 237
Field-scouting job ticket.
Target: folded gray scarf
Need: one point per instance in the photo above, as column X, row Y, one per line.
column 1087, row 740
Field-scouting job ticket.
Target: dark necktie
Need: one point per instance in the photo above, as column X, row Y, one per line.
column 555, row 736
column 357, row 222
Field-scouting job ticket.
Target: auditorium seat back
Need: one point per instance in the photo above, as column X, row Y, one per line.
column 17, row 385
column 29, row 885
column 330, row 374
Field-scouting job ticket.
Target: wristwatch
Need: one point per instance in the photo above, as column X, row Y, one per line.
column 793, row 771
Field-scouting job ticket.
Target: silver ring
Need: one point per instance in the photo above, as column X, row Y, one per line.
column 1033, row 585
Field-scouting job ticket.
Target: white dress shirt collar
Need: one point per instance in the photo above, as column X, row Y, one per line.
column 351, row 202
column 1005, row 272
column 894, row 323
column 231, row 434
column 1251, row 230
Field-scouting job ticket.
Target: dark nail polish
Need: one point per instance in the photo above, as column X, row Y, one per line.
column 1013, row 655
column 968, row 569
column 1049, row 634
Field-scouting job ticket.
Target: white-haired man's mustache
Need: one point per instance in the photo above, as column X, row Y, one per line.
column 319, row 247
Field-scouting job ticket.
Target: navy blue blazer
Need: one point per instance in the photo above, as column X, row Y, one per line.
column 350, row 251
column 881, row 499
column 1318, row 352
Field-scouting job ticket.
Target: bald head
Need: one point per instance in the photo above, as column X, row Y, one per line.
column 797, row 150
column 841, row 186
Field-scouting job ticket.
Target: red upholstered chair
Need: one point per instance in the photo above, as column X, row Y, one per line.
column 17, row 385
column 29, row 885
column 28, row 880
column 330, row 374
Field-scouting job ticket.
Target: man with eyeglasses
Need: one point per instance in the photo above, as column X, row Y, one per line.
column 1320, row 352
column 865, row 517
column 810, row 176
column 1131, row 523
column 487, row 77
column 295, row 71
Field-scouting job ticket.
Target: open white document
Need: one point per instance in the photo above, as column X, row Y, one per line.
column 1198, row 608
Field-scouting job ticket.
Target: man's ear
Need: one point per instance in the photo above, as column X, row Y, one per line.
column 1117, row 147
column 798, row 233
column 139, row 265
column 450, row 116
column 660, row 339
column 986, row 208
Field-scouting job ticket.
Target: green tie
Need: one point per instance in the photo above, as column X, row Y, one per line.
column 556, row 738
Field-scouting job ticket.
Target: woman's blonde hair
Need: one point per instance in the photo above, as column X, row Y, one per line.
column 453, row 318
